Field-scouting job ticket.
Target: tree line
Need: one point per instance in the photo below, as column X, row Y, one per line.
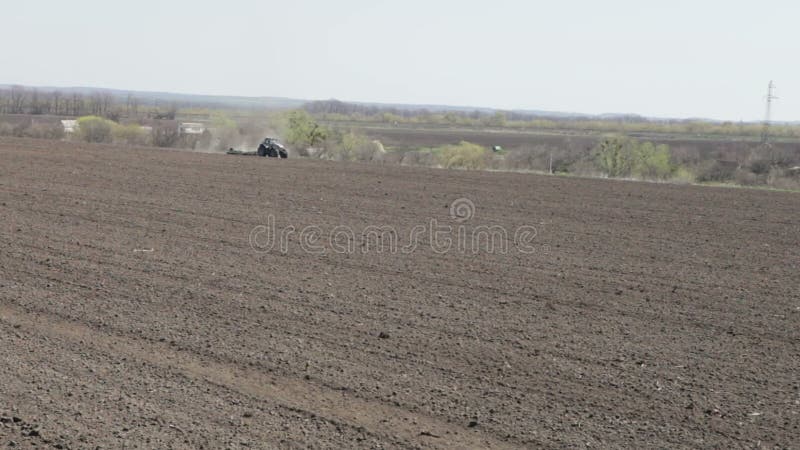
column 335, row 111
column 34, row 101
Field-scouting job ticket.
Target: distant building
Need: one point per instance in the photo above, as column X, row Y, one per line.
column 70, row 126
column 192, row 128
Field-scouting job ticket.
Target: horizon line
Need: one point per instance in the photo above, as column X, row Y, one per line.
column 545, row 113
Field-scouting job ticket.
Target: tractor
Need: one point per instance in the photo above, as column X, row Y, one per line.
column 270, row 148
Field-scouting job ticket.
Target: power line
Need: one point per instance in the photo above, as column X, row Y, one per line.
column 768, row 118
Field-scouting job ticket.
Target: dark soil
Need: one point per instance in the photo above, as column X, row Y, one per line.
column 134, row 311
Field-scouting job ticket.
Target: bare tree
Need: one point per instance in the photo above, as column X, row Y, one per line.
column 169, row 114
column 131, row 106
column 56, row 108
column 107, row 101
column 76, row 104
column 17, row 99
column 128, row 104
column 36, row 104
column 3, row 101
column 96, row 104
column 165, row 135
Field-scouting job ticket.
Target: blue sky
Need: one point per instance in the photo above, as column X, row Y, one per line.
column 665, row 59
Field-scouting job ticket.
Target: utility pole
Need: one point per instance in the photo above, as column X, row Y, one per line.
column 770, row 97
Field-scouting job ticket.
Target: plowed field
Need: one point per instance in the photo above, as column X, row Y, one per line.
column 144, row 305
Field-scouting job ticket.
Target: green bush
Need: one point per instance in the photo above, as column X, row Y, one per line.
column 303, row 131
column 357, row 147
column 95, row 129
column 653, row 162
column 623, row 157
column 130, row 134
column 616, row 157
column 465, row 155
column 682, row 175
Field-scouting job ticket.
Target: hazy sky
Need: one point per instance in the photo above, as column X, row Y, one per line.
column 701, row 58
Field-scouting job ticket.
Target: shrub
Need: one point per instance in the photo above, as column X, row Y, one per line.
column 44, row 131
column 303, row 131
column 531, row 158
column 31, row 129
column 784, row 179
column 747, row 178
column 653, row 162
column 716, row 171
column 627, row 157
column 682, row 175
column 760, row 167
column 21, row 128
column 616, row 157
column 165, row 135
column 345, row 146
column 95, row 129
column 356, row 147
column 130, row 134
column 6, row 129
column 421, row 157
column 465, row 155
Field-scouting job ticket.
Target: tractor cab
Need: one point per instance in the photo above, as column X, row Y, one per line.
column 272, row 148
